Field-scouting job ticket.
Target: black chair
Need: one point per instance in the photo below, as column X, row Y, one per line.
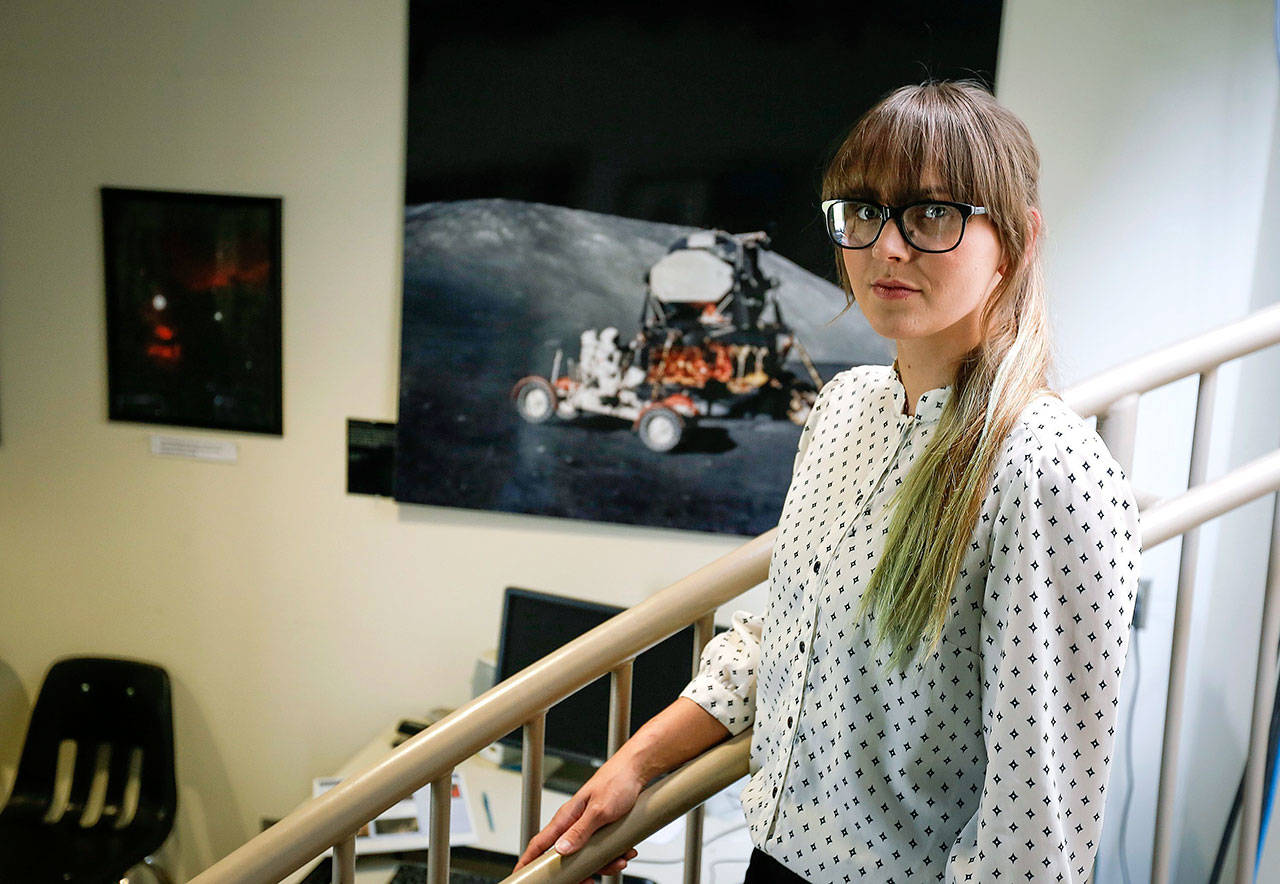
column 119, row 715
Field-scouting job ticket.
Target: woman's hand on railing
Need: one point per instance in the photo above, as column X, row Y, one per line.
column 607, row 796
column 682, row 731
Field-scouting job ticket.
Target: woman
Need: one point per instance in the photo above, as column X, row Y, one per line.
column 934, row 681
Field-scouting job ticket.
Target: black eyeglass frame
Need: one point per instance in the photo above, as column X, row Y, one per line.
column 895, row 212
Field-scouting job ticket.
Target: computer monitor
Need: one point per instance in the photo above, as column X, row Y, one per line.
column 536, row 623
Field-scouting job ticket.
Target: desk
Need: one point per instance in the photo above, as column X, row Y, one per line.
column 660, row 857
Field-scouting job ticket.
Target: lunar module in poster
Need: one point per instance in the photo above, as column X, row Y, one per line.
column 712, row 341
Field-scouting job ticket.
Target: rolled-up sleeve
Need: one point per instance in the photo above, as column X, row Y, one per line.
column 725, row 685
column 1058, row 603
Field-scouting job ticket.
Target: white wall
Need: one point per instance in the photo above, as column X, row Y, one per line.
column 296, row 619
column 1155, row 124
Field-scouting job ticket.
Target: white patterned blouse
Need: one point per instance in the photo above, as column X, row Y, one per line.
column 988, row 760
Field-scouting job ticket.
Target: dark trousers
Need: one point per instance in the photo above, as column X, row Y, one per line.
column 764, row 869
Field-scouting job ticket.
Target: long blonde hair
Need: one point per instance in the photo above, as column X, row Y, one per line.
column 982, row 154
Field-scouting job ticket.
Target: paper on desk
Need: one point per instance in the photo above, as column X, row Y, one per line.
column 406, row 824
column 462, row 828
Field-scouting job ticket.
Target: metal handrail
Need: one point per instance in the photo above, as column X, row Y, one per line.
column 429, row 757
column 677, row 793
column 432, row 754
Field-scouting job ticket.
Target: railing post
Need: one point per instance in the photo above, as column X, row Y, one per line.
column 619, row 722
column 1264, row 692
column 438, row 843
column 344, row 861
column 1118, row 428
column 693, row 845
column 1188, row 559
column 619, row 706
column 703, row 630
column 532, row 746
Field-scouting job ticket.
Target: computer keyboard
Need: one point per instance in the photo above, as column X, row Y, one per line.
column 470, row 865
column 411, row 873
column 416, row 873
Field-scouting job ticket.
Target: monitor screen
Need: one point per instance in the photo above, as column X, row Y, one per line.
column 536, row 623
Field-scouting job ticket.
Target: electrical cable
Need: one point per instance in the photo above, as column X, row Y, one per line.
column 1220, row 858
column 1272, row 774
column 1270, row 778
column 1266, row 810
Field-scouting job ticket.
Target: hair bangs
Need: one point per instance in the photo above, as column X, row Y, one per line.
column 900, row 146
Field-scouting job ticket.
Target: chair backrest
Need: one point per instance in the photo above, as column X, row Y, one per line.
column 119, row 715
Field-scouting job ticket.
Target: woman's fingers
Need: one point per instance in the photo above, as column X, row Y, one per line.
column 613, row 868
column 595, row 805
column 578, row 833
column 537, row 846
column 563, row 818
column 616, row 867
column 618, row 864
column 602, row 810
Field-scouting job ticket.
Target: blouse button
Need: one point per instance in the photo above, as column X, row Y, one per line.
column 802, row 646
column 790, row 721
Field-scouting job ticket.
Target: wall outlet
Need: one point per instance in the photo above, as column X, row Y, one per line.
column 1140, row 603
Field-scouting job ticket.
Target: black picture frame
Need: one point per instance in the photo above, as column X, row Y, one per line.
column 194, row 301
column 534, row 216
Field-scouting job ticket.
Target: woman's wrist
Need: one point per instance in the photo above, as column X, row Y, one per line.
column 670, row 738
column 637, row 758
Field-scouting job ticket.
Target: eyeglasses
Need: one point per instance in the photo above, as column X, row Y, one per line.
column 927, row 225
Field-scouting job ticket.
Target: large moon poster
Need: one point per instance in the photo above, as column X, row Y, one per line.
column 619, row 296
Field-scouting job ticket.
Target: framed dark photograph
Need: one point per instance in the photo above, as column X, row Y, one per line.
column 620, row 299
column 193, row 286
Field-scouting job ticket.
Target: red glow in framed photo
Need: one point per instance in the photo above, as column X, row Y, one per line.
column 193, row 287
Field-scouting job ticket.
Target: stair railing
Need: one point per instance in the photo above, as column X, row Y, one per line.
column 429, row 757
column 332, row 819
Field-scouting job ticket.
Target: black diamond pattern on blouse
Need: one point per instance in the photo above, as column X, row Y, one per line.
column 988, row 760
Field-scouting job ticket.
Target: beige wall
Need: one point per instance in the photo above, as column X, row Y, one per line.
column 297, row 620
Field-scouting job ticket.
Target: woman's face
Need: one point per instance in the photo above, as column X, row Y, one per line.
column 943, row 290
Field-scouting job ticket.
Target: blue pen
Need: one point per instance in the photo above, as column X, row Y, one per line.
column 484, row 798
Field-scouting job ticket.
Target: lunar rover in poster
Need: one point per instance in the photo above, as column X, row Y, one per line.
column 712, row 343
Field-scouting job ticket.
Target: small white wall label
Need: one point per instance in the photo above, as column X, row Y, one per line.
column 193, row 448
